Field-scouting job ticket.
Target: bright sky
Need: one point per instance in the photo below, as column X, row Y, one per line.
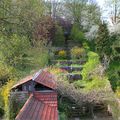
column 100, row 2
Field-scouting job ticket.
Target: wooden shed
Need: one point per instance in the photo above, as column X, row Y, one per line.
column 42, row 102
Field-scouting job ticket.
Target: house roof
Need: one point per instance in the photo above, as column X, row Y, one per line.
column 42, row 77
column 47, row 79
column 22, row 81
column 40, row 106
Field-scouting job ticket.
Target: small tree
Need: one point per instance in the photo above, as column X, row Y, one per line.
column 59, row 38
column 77, row 35
column 103, row 44
column 13, row 50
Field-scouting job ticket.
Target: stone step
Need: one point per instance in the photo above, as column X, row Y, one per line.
column 71, row 68
column 74, row 77
column 69, row 62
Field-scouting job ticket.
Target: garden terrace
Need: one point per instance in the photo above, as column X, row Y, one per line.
column 71, row 68
column 68, row 62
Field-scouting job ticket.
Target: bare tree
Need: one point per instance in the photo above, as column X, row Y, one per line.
column 113, row 6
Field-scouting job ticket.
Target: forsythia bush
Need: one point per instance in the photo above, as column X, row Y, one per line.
column 62, row 54
column 56, row 70
column 118, row 92
column 77, row 52
column 5, row 94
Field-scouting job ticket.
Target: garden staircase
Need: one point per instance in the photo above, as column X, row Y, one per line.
column 73, row 68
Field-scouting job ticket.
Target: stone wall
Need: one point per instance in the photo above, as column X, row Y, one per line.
column 17, row 100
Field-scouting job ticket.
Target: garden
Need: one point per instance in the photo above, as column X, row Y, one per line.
column 59, row 36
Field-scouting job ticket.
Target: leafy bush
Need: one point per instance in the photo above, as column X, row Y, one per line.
column 5, row 94
column 38, row 56
column 13, row 50
column 1, row 105
column 77, row 35
column 77, row 52
column 44, row 29
column 92, row 63
column 4, row 73
column 62, row 54
column 113, row 74
column 63, row 116
column 96, row 83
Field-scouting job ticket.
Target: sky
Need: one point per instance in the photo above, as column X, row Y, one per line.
column 100, row 2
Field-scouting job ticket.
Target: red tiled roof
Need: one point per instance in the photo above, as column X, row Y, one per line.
column 24, row 80
column 46, row 78
column 40, row 106
column 47, row 97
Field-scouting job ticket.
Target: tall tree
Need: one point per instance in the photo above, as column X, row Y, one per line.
column 113, row 7
column 103, row 43
column 76, row 8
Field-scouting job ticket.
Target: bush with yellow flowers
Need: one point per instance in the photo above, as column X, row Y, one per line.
column 5, row 93
column 118, row 92
column 62, row 54
column 77, row 52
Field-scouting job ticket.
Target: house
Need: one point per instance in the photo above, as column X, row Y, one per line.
column 42, row 102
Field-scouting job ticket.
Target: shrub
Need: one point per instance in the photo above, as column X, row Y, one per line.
column 5, row 94
column 62, row 54
column 92, row 63
column 44, row 29
column 77, row 35
column 4, row 73
column 59, row 38
column 77, row 52
column 13, row 50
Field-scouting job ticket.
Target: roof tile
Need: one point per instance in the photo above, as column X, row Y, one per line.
column 40, row 106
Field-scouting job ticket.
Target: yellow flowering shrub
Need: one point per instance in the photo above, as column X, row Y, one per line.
column 77, row 52
column 118, row 92
column 56, row 71
column 62, row 54
column 5, row 92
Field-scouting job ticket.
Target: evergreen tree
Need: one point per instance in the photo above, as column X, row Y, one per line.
column 103, row 44
column 102, row 41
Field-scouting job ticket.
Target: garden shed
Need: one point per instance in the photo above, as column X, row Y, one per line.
column 42, row 102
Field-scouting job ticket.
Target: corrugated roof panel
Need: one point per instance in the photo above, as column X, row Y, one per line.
column 39, row 109
column 46, row 79
column 22, row 81
column 42, row 77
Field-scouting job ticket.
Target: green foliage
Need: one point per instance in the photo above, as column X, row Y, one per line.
column 22, row 18
column 5, row 94
column 1, row 105
column 77, row 35
column 13, row 50
column 93, row 62
column 15, row 107
column 115, row 108
column 92, row 79
column 113, row 74
column 96, row 83
column 77, row 52
column 59, row 38
column 5, row 73
column 103, row 41
column 63, row 116
column 38, row 56
column 115, row 54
